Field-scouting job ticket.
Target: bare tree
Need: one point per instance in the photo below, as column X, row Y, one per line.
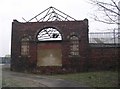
column 107, row 11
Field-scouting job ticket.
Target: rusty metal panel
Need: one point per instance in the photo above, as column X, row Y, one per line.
column 49, row 55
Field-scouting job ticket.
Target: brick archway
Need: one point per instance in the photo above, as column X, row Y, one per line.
column 49, row 47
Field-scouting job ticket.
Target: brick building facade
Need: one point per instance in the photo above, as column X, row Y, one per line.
column 65, row 59
column 67, row 29
column 66, row 48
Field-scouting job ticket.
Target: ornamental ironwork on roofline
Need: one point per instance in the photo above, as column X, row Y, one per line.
column 51, row 14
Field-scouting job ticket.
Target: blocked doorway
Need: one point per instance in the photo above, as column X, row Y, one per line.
column 49, row 54
column 49, row 51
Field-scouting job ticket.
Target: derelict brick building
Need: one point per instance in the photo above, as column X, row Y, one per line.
column 56, row 46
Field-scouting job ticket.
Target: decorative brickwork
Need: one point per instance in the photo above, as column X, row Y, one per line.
column 58, row 47
column 56, row 50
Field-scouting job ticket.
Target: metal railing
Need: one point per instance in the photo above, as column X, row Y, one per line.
column 104, row 37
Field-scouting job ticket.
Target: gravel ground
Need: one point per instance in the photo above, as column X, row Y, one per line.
column 0, row 76
column 16, row 79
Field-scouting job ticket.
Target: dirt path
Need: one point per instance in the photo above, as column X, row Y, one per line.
column 15, row 79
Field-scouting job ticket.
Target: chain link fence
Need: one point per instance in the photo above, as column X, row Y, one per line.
column 104, row 37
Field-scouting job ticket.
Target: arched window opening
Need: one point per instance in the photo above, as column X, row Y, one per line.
column 49, row 34
column 25, row 46
column 74, row 46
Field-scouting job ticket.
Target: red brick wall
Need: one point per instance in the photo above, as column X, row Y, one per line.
column 31, row 29
column 103, row 58
column 91, row 58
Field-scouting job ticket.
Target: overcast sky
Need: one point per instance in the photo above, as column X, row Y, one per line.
column 16, row 9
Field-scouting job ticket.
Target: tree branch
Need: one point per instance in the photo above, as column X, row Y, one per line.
column 116, row 5
column 110, row 9
column 109, row 16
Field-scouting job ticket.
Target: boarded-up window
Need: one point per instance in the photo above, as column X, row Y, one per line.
column 74, row 46
column 25, row 46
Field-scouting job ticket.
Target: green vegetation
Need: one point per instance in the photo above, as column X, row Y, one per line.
column 11, row 82
column 0, row 76
column 93, row 79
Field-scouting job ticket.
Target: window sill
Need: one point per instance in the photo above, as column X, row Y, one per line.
column 74, row 56
column 24, row 56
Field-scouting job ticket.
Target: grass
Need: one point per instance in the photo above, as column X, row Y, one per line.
column 93, row 79
column 0, row 76
column 10, row 82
